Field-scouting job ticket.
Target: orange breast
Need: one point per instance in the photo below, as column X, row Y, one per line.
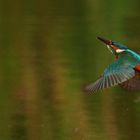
column 114, row 47
column 137, row 68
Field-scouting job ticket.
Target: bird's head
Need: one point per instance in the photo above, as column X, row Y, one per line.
column 115, row 47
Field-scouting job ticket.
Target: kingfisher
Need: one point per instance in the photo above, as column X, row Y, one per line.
column 124, row 71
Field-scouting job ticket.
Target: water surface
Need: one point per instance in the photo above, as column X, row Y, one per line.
column 48, row 51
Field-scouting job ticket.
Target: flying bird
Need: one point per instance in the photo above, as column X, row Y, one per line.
column 124, row 71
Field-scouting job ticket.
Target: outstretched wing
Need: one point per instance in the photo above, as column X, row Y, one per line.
column 132, row 84
column 116, row 73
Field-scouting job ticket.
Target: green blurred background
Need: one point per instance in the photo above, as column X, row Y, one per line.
column 48, row 51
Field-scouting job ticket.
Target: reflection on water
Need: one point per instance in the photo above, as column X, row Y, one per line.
column 48, row 52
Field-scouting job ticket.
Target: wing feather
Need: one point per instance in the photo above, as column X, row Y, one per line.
column 132, row 84
column 115, row 74
column 120, row 72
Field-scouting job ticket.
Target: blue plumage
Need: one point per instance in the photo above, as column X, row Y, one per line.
column 120, row 71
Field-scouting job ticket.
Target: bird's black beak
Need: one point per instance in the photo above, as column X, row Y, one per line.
column 107, row 42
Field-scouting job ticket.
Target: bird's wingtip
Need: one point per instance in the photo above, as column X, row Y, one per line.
column 85, row 89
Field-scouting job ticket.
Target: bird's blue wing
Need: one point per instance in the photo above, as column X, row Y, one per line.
column 116, row 73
